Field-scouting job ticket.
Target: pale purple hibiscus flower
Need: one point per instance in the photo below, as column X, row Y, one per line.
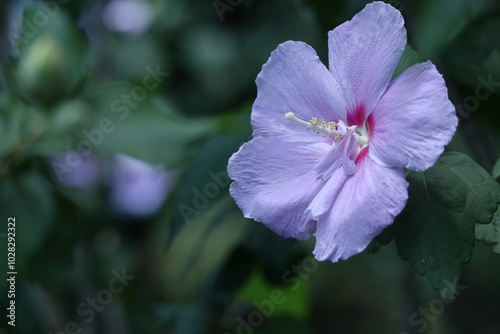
column 330, row 146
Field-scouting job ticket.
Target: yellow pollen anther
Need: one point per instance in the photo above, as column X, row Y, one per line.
column 321, row 125
column 330, row 128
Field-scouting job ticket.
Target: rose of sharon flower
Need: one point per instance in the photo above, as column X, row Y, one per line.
column 330, row 146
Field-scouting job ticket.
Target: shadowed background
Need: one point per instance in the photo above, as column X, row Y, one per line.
column 117, row 119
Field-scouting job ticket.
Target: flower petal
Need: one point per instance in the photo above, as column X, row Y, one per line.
column 363, row 54
column 323, row 201
column 274, row 183
column 340, row 154
column 295, row 80
column 413, row 121
column 366, row 204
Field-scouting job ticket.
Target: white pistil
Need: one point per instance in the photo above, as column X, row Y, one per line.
column 291, row 117
column 329, row 128
column 332, row 129
column 362, row 140
column 362, row 136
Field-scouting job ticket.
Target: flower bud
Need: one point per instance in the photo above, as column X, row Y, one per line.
column 52, row 58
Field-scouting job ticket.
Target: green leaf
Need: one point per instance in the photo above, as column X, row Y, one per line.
column 409, row 58
column 295, row 301
column 475, row 53
column 206, row 172
column 21, row 127
column 441, row 23
column 200, row 248
column 382, row 239
column 236, row 121
column 490, row 233
column 28, row 198
column 435, row 231
column 147, row 129
column 496, row 170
